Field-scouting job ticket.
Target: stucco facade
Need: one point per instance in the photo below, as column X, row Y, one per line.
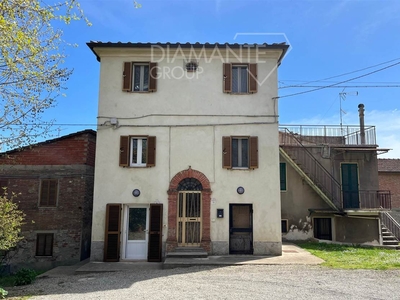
column 189, row 115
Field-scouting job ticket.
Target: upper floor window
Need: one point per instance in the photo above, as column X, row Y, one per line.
column 48, row 192
column 239, row 78
column 137, row 151
column 240, row 152
column 139, row 77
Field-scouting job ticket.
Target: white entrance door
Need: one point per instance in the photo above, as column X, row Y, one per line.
column 137, row 232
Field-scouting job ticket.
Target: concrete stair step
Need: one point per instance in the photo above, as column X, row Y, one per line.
column 393, row 242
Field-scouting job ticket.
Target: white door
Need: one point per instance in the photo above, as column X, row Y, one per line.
column 137, row 232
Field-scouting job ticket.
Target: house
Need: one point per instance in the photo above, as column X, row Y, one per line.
column 54, row 181
column 187, row 150
column 389, row 178
column 329, row 185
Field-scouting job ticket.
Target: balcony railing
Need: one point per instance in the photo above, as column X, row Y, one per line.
column 329, row 134
column 375, row 199
column 390, row 224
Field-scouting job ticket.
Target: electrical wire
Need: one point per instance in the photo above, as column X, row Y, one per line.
column 335, row 84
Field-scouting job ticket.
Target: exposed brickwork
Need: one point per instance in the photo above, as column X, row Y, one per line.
column 172, row 208
column 391, row 181
column 70, row 160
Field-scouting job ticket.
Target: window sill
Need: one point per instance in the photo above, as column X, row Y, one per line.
column 43, row 256
column 243, row 169
column 138, row 166
column 47, row 207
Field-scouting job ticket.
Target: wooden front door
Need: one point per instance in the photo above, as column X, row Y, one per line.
column 189, row 219
column 240, row 228
column 350, row 186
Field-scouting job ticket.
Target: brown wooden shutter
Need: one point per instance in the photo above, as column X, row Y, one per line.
column 127, row 77
column 151, row 151
column 112, row 232
column 155, row 232
column 227, row 78
column 124, row 151
column 226, row 152
column 253, row 78
column 253, row 152
column 48, row 192
column 153, row 77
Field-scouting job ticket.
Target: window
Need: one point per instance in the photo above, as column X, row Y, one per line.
column 240, row 152
column 240, row 78
column 192, row 66
column 284, row 225
column 138, row 155
column 139, row 77
column 44, row 244
column 282, row 173
column 48, row 192
column 137, row 151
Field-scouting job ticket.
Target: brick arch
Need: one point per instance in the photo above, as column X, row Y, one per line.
column 172, row 242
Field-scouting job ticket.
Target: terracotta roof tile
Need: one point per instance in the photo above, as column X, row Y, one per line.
column 388, row 165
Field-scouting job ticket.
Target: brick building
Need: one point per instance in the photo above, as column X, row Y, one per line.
column 54, row 180
column 389, row 179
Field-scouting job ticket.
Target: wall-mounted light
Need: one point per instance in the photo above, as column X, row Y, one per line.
column 136, row 193
column 240, row 190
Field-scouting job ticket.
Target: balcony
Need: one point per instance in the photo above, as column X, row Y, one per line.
column 327, row 134
column 369, row 200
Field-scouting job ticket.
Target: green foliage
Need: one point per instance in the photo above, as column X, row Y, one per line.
column 31, row 55
column 3, row 293
column 11, row 220
column 354, row 257
column 25, row 276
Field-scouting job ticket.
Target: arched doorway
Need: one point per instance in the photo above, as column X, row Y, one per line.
column 189, row 198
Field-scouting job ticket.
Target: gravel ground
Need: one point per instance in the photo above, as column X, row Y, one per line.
column 233, row 282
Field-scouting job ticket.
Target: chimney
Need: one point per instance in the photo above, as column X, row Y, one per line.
column 362, row 127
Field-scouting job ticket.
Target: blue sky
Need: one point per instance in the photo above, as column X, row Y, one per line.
column 327, row 38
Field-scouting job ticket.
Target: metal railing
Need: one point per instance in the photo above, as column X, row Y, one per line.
column 313, row 168
column 375, row 199
column 331, row 134
column 390, row 224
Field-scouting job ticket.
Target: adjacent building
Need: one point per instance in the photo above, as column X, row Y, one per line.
column 54, row 182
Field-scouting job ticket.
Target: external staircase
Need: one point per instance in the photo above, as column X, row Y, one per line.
column 388, row 238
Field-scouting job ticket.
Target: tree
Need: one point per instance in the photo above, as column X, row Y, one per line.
column 11, row 221
column 31, row 72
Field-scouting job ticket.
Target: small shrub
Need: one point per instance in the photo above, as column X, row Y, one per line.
column 3, row 293
column 25, row 276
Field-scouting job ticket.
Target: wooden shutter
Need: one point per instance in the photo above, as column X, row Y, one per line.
column 112, row 232
column 227, row 78
column 155, row 232
column 127, row 77
column 124, row 151
column 151, row 151
column 226, row 152
column 253, row 152
column 253, row 78
column 153, row 77
column 48, row 192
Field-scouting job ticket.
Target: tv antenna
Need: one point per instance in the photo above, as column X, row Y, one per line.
column 342, row 97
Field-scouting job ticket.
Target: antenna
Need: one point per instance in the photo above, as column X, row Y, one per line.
column 342, row 96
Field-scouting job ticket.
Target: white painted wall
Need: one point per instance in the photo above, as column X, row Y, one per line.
column 173, row 114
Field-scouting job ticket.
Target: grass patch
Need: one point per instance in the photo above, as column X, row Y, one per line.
column 7, row 280
column 354, row 257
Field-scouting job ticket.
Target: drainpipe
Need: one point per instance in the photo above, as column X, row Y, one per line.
column 362, row 127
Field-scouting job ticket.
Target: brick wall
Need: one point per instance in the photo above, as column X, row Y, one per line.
column 391, row 181
column 71, row 162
